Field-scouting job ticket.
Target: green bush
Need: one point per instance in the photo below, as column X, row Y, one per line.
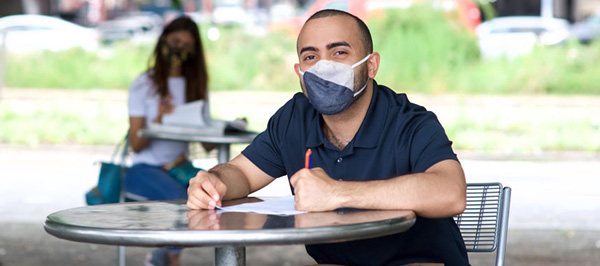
column 238, row 61
column 109, row 68
column 422, row 50
column 569, row 69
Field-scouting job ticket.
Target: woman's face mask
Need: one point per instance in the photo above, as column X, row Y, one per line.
column 330, row 85
column 175, row 56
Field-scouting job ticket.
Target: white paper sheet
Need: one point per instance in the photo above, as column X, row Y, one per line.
column 189, row 114
column 279, row 206
column 194, row 118
column 209, row 130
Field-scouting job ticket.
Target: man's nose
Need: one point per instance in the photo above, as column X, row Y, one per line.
column 325, row 56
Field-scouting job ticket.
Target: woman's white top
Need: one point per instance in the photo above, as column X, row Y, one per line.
column 143, row 102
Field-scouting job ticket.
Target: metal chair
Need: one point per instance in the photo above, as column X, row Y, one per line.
column 484, row 223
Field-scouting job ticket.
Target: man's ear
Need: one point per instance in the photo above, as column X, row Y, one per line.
column 373, row 64
column 297, row 69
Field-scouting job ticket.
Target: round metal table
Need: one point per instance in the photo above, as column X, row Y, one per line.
column 172, row 224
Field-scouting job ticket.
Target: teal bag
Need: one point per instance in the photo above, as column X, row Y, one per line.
column 183, row 172
column 108, row 189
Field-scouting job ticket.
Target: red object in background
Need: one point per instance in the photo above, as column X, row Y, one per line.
column 354, row 7
column 469, row 14
column 294, row 24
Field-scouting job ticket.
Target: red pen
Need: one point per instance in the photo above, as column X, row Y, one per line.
column 307, row 159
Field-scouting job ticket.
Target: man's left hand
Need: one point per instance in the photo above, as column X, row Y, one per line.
column 315, row 191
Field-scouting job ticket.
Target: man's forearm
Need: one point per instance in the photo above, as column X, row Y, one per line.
column 234, row 179
column 432, row 194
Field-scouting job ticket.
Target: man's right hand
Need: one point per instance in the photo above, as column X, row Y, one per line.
column 205, row 191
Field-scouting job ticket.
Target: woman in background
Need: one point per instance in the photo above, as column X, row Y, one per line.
column 176, row 75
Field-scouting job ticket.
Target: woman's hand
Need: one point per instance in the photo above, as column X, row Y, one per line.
column 165, row 106
column 180, row 159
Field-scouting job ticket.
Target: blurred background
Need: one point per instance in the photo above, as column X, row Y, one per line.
column 516, row 84
column 457, row 48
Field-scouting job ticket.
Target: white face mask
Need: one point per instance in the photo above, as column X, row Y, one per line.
column 330, row 85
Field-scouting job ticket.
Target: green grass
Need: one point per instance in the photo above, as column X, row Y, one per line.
column 523, row 127
column 57, row 123
column 526, row 135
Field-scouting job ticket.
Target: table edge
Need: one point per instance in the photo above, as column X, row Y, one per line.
column 237, row 138
column 201, row 238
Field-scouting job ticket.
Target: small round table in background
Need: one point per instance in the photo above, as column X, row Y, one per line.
column 223, row 141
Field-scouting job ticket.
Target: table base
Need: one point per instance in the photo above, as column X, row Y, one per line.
column 230, row 256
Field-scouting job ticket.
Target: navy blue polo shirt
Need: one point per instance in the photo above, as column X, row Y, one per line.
column 396, row 138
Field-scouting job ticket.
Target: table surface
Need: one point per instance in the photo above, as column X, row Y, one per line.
column 227, row 138
column 171, row 223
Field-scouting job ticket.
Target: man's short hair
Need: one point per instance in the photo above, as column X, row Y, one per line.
column 365, row 34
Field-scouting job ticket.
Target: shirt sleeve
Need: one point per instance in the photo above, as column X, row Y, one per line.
column 430, row 144
column 265, row 151
column 138, row 92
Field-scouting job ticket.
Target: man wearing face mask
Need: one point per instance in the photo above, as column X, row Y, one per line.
column 371, row 149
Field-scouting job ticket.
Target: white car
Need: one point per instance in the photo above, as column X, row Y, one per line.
column 518, row 35
column 588, row 30
column 136, row 26
column 229, row 12
column 26, row 33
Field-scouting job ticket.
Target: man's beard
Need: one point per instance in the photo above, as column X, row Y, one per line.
column 360, row 80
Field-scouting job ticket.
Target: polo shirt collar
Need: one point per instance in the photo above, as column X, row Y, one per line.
column 369, row 132
column 372, row 126
column 316, row 137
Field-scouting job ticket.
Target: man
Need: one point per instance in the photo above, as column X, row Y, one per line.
column 371, row 148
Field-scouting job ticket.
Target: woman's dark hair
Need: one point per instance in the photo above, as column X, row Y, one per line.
column 193, row 70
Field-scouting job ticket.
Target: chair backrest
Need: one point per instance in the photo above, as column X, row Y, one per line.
column 484, row 222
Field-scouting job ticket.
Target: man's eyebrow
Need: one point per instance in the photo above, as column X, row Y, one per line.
column 336, row 44
column 308, row 48
column 329, row 46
